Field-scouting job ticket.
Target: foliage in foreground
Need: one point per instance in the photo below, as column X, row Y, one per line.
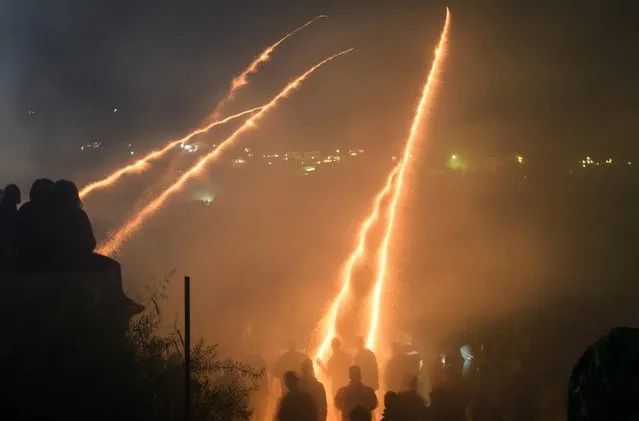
column 220, row 390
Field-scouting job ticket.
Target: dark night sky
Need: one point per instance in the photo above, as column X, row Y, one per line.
column 559, row 75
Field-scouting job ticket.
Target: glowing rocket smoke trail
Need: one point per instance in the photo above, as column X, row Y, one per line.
column 113, row 244
column 331, row 318
column 237, row 83
column 142, row 163
column 242, row 79
column 414, row 133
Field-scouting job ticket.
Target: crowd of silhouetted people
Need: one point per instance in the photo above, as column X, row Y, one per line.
column 51, row 233
column 354, row 382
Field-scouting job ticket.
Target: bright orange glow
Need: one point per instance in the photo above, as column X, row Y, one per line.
column 330, row 320
column 399, row 184
column 142, row 163
column 242, row 79
column 134, row 223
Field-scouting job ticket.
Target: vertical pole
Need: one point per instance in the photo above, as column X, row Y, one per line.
column 187, row 348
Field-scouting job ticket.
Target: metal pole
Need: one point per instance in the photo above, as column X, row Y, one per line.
column 187, row 348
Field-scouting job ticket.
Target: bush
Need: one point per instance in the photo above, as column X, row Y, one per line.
column 220, row 390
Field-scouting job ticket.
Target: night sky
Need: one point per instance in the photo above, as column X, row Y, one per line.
column 553, row 78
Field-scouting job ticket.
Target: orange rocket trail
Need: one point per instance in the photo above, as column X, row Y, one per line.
column 242, row 79
column 238, row 82
column 331, row 317
column 133, row 224
column 142, row 163
column 415, row 130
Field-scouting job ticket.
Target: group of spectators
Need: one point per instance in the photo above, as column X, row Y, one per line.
column 354, row 382
column 51, row 233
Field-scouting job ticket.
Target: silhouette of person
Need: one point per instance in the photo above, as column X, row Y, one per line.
column 32, row 242
column 366, row 360
column 356, row 393
column 310, row 384
column 604, row 383
column 404, row 364
column 359, row 413
column 70, row 229
column 410, row 404
column 444, row 406
column 337, row 366
column 390, row 407
column 291, row 360
column 296, row 404
column 394, row 369
column 8, row 227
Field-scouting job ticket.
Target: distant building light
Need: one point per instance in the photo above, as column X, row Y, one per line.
column 520, row 159
column 309, row 168
column 115, row 110
column 456, row 164
column 337, row 150
column 629, row 163
column 270, row 163
column 205, row 198
column 131, row 153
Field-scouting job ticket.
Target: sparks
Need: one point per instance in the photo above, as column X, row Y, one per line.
column 331, row 317
column 399, row 184
column 133, row 224
column 142, row 163
column 242, row 79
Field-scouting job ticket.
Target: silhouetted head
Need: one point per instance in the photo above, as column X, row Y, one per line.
column 307, row 369
column 336, row 344
column 359, row 343
column 355, row 374
column 64, row 194
column 290, row 380
column 11, row 195
column 40, row 189
column 413, row 383
column 390, row 399
column 604, row 384
column 359, row 413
